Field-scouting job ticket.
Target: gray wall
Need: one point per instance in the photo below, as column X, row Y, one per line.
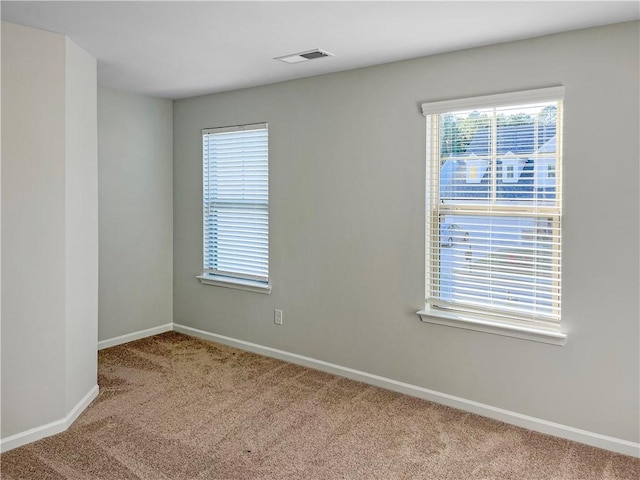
column 33, row 228
column 49, row 227
column 81, row 218
column 136, row 212
column 347, row 169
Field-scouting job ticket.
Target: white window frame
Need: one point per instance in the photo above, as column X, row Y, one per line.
column 479, row 320
column 250, row 273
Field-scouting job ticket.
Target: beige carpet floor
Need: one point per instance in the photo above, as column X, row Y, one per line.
column 174, row 407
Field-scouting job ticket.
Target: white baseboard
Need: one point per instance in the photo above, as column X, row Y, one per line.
column 513, row 418
column 624, row 447
column 130, row 337
column 58, row 426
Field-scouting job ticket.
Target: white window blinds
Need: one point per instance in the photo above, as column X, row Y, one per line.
column 494, row 207
column 236, row 202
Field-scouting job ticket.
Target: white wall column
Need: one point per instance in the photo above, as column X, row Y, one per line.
column 49, row 233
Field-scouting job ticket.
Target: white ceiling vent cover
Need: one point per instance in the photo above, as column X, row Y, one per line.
column 304, row 56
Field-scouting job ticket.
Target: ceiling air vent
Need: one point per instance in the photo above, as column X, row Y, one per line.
column 304, row 56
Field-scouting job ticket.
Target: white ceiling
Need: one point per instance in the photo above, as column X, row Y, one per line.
column 183, row 49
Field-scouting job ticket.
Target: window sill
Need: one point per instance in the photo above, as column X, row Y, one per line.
column 494, row 327
column 236, row 283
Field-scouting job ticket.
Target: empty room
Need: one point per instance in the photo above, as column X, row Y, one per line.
column 320, row 240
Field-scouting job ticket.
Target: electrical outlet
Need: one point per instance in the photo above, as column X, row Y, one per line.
column 277, row 317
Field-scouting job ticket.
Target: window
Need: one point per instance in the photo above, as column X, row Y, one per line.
column 509, row 171
column 236, row 207
column 494, row 210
